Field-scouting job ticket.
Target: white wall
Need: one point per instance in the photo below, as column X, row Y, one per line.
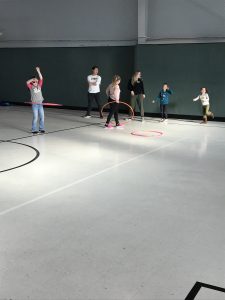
column 57, row 23
column 186, row 19
column 69, row 22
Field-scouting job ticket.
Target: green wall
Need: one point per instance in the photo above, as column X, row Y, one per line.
column 65, row 71
column 186, row 67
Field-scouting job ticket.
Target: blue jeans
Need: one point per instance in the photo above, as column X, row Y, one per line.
column 38, row 111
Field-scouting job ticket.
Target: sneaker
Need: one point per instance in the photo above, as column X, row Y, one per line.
column 142, row 119
column 108, row 126
column 119, row 126
column 42, row 131
column 35, row 132
column 166, row 120
column 162, row 120
column 87, row 116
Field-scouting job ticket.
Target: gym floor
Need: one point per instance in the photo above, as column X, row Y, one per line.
column 91, row 213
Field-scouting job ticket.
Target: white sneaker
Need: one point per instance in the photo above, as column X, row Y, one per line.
column 87, row 116
column 162, row 120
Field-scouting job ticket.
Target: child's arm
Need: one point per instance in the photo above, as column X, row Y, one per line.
column 40, row 82
column 196, row 99
column 98, row 81
column 130, row 87
column 39, row 73
column 117, row 94
column 142, row 88
column 158, row 98
column 169, row 91
column 29, row 85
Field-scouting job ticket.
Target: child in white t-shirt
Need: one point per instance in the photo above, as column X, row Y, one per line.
column 204, row 97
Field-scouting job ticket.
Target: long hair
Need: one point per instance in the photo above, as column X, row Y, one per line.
column 134, row 77
column 115, row 79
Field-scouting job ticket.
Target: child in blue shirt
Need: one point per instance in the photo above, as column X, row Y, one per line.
column 163, row 97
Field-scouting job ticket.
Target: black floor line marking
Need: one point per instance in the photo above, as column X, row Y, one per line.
column 30, row 161
column 198, row 285
column 49, row 132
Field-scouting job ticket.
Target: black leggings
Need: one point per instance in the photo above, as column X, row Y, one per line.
column 113, row 110
column 163, row 111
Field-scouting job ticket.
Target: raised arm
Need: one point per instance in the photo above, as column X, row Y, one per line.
column 39, row 73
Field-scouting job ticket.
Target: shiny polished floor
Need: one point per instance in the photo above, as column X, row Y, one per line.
column 88, row 213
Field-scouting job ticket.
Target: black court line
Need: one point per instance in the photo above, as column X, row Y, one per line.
column 198, row 285
column 49, row 132
column 36, row 150
column 37, row 154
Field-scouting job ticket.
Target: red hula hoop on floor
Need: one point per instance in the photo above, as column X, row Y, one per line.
column 144, row 133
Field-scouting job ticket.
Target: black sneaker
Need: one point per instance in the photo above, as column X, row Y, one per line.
column 42, row 131
column 35, row 132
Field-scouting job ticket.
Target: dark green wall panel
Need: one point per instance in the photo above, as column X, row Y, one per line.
column 65, row 71
column 186, row 68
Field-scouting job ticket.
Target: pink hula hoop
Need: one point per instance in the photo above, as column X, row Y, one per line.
column 147, row 133
column 44, row 103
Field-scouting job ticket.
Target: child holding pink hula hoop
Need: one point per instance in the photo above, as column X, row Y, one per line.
column 113, row 93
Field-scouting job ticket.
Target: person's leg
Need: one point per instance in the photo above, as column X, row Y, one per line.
column 116, row 115
column 35, row 117
column 162, row 111
column 90, row 100
column 204, row 112
column 41, row 118
column 165, row 111
column 141, row 105
column 133, row 103
column 209, row 113
column 97, row 100
column 111, row 112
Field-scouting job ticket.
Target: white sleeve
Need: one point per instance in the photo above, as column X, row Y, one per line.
column 197, row 98
column 99, row 80
column 89, row 79
column 207, row 96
